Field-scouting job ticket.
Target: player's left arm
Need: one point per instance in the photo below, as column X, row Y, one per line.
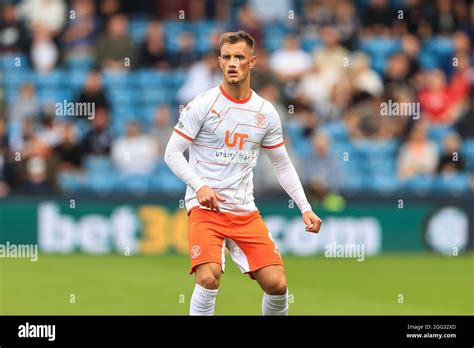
column 288, row 178
column 272, row 145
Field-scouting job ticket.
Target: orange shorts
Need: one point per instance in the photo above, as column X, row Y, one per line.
column 246, row 237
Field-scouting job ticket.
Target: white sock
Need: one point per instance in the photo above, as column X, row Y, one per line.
column 203, row 301
column 275, row 304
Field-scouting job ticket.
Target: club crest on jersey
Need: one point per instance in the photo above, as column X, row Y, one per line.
column 195, row 251
column 259, row 120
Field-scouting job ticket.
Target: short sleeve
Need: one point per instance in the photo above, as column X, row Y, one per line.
column 191, row 119
column 274, row 136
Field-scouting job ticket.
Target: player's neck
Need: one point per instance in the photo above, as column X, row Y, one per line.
column 239, row 92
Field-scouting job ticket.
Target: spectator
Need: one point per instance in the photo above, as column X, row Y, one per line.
column 187, row 53
column 48, row 14
column 153, row 52
column 347, row 23
column 80, row 35
column 269, row 11
column 25, row 106
column 290, row 62
column 321, row 172
column 44, row 52
column 135, row 153
column 248, row 21
column 69, row 153
column 330, row 57
column 201, row 76
column 13, row 35
column 98, row 139
column 261, row 73
column 5, row 167
column 49, row 131
column 92, row 91
column 418, row 155
column 114, row 50
column 163, row 128
column 379, row 17
column 435, row 98
column 364, row 79
column 451, row 160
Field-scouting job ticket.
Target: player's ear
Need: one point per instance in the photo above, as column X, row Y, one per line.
column 253, row 62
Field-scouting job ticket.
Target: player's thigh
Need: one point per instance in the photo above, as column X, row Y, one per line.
column 205, row 240
column 254, row 246
column 272, row 279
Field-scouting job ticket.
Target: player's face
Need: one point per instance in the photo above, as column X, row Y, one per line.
column 236, row 60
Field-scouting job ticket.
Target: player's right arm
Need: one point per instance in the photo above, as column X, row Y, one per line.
column 189, row 125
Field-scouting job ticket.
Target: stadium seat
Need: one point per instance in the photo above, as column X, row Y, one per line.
column 70, row 181
column 337, row 131
column 454, row 184
column 163, row 180
column 380, row 49
column 115, row 80
column 467, row 150
column 137, row 30
column 437, row 133
column 80, row 63
column 384, row 183
column 133, row 184
column 420, row 184
column 14, row 62
column 100, row 183
column 98, row 164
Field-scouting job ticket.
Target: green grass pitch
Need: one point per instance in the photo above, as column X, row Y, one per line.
column 160, row 285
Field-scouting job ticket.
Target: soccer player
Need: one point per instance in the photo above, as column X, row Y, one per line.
column 224, row 129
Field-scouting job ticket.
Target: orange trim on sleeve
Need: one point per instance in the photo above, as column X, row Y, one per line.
column 273, row 146
column 183, row 135
column 232, row 99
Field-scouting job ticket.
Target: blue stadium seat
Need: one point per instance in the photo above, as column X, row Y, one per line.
column 76, row 80
column 467, row 149
column 420, row 184
column 385, row 183
column 380, row 49
column 54, row 95
column 309, row 44
column 134, row 184
column 55, row 78
column 163, row 180
column 137, row 30
column 98, row 164
column 337, row 131
column 82, row 63
column 101, row 183
column 16, row 78
column 439, row 132
column 115, row 80
column 14, row 62
column 70, row 181
column 454, row 184
column 148, row 78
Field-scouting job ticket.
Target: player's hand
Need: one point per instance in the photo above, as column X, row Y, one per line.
column 312, row 222
column 209, row 198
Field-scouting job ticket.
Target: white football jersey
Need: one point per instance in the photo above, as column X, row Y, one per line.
column 226, row 136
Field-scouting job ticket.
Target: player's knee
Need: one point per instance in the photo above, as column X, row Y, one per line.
column 207, row 280
column 277, row 286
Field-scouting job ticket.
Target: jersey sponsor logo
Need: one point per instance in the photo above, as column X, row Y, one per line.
column 259, row 120
column 236, row 138
column 195, row 251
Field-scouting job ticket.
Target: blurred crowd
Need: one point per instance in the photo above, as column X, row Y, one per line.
column 329, row 67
